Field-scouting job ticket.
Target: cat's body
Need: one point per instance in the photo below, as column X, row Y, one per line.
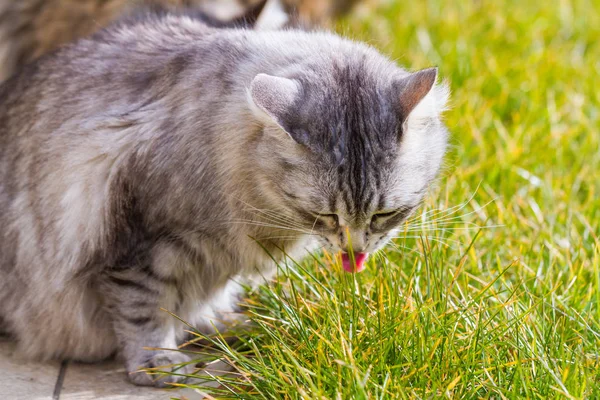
column 138, row 170
column 32, row 28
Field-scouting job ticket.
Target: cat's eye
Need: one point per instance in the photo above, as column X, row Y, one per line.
column 386, row 214
column 331, row 219
column 384, row 220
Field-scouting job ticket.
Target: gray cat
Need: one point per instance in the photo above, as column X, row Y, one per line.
column 149, row 165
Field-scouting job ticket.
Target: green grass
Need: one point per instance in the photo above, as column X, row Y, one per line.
column 454, row 310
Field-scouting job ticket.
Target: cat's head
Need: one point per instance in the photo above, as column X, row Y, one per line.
column 351, row 151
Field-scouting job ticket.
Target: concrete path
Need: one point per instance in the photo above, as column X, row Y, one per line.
column 21, row 380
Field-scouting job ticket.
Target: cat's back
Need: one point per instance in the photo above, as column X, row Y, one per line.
column 31, row 28
column 114, row 66
column 163, row 62
column 148, row 54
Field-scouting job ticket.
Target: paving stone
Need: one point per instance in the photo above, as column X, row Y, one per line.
column 25, row 380
column 108, row 381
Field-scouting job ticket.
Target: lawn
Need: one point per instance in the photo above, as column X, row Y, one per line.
column 493, row 290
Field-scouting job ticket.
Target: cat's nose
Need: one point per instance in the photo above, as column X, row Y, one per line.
column 357, row 246
column 356, row 241
column 356, row 249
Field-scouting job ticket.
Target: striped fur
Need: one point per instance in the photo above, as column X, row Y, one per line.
column 139, row 168
column 32, row 28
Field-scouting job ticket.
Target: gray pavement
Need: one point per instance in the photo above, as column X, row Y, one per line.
column 26, row 380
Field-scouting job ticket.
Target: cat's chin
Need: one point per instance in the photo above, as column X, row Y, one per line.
column 359, row 262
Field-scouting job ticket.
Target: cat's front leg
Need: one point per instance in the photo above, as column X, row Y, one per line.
column 223, row 312
column 134, row 298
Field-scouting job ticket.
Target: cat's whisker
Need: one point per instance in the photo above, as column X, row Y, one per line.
column 399, row 248
column 275, row 217
column 431, row 214
column 449, row 229
column 450, row 210
column 433, row 239
column 444, row 225
column 275, row 222
column 448, row 225
column 272, row 214
column 259, row 221
column 382, row 256
column 458, row 217
column 478, row 209
column 289, row 237
column 281, row 228
column 268, row 225
column 426, row 237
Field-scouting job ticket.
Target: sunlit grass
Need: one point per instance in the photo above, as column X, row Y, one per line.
column 499, row 298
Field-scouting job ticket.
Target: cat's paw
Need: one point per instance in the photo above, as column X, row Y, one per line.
column 162, row 369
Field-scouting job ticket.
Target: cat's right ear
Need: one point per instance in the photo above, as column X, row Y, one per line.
column 273, row 100
column 418, row 96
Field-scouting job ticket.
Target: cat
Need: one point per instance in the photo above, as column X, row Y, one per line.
column 161, row 163
column 31, row 28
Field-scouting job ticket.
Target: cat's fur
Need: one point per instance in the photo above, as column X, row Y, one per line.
column 139, row 169
column 32, row 28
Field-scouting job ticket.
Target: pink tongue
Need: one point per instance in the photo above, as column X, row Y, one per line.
column 360, row 262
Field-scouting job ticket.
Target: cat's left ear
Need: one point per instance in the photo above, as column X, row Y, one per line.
column 273, row 99
column 416, row 95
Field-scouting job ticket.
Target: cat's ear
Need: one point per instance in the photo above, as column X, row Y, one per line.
column 412, row 89
column 273, row 100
